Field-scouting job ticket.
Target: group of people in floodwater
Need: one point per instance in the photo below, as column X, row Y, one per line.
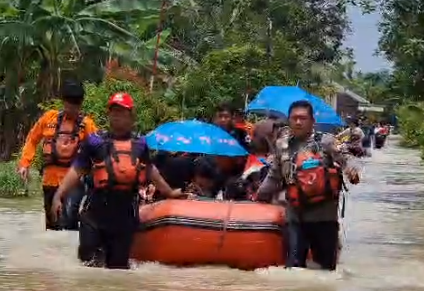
column 362, row 135
column 289, row 164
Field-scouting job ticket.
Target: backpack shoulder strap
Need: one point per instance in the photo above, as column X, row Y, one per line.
column 80, row 120
column 60, row 117
column 318, row 136
column 59, row 121
column 79, row 124
column 149, row 165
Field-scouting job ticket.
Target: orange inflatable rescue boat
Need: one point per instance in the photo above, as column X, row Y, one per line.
column 242, row 235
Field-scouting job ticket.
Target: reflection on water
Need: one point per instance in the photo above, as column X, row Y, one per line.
column 383, row 247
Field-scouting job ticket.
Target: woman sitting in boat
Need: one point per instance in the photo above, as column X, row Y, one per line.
column 209, row 181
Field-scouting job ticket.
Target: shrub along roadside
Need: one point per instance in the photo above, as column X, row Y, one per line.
column 11, row 184
column 411, row 125
column 151, row 110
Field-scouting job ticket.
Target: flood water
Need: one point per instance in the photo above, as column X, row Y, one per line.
column 383, row 245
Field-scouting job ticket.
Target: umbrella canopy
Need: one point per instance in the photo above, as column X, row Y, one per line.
column 276, row 100
column 192, row 136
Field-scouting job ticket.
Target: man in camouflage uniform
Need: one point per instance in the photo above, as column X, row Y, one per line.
column 313, row 228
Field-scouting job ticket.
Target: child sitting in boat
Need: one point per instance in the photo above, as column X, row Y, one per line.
column 235, row 189
column 203, row 182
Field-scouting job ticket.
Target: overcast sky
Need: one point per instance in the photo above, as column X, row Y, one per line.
column 364, row 41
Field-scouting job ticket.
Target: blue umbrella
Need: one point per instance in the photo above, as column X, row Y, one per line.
column 192, row 136
column 276, row 100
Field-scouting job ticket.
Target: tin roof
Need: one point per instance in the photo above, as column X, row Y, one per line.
column 353, row 95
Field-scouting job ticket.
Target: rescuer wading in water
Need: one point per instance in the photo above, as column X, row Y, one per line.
column 308, row 167
column 119, row 164
column 61, row 133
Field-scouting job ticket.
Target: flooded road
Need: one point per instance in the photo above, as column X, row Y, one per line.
column 383, row 245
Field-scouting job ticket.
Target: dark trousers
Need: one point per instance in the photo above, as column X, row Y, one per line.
column 108, row 221
column 106, row 246
column 69, row 217
column 319, row 237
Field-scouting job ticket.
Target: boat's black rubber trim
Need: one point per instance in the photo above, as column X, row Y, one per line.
column 212, row 224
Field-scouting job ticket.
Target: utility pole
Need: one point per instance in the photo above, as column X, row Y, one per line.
column 269, row 33
column 159, row 33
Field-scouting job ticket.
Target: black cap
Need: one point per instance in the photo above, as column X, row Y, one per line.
column 72, row 91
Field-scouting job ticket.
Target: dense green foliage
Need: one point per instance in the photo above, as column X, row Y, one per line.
column 150, row 109
column 402, row 43
column 12, row 186
column 411, row 116
column 209, row 51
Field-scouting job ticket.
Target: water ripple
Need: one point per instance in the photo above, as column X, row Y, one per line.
column 383, row 245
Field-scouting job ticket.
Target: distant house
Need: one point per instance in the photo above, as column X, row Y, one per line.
column 347, row 102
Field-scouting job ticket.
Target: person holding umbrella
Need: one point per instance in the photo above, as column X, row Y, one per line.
column 119, row 164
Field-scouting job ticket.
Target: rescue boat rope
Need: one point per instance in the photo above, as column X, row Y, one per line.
column 225, row 225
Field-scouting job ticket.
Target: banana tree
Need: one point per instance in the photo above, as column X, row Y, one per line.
column 40, row 39
column 57, row 34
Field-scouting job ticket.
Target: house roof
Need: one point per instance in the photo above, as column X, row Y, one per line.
column 371, row 108
column 353, row 95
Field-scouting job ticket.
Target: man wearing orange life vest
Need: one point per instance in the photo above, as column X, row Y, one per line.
column 119, row 164
column 308, row 166
column 61, row 132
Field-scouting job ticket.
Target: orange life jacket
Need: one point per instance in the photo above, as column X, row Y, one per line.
column 246, row 127
column 61, row 149
column 253, row 164
column 315, row 179
column 119, row 166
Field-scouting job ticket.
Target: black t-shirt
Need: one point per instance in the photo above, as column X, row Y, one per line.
column 177, row 171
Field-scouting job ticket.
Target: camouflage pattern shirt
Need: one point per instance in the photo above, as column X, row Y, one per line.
column 281, row 170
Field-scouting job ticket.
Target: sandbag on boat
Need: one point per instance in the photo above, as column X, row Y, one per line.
column 243, row 235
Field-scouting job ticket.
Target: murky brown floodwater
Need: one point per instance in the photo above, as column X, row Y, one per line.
column 384, row 246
